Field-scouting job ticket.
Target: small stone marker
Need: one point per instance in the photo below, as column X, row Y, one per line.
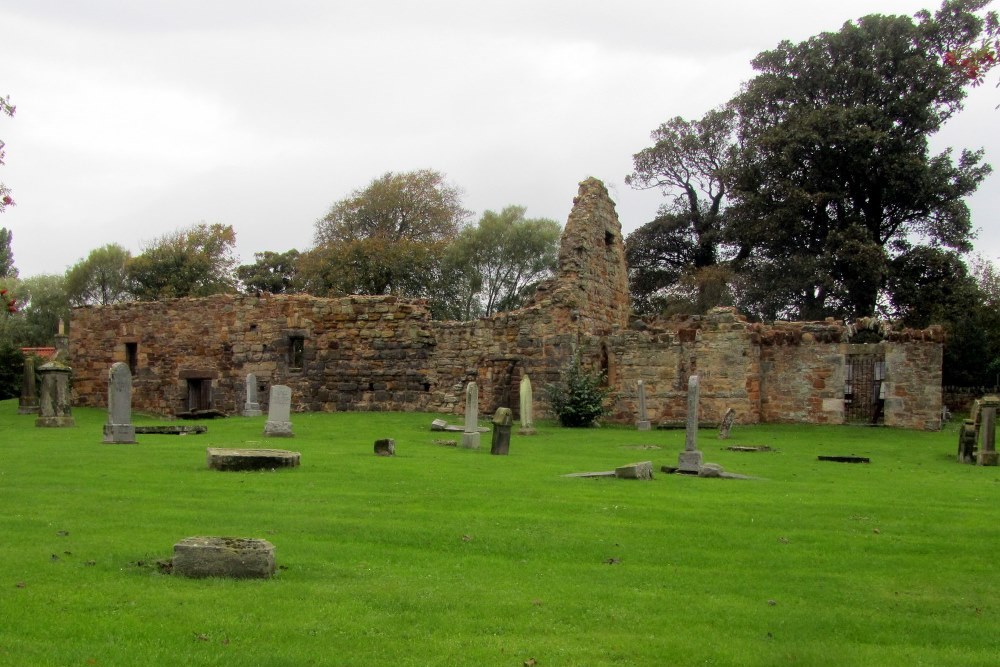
column 727, row 424
column 470, row 436
column 690, row 460
column 252, row 407
column 845, row 459
column 53, row 409
column 527, row 408
column 713, row 470
column 28, row 403
column 279, row 410
column 502, row 421
column 439, row 425
column 385, row 447
column 119, row 429
column 967, row 442
column 251, row 459
column 643, row 423
column 640, row 470
column 987, row 455
column 235, row 557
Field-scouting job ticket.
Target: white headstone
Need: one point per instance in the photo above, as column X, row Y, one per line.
column 470, row 436
column 251, row 408
column 279, row 409
column 643, row 423
column 527, row 408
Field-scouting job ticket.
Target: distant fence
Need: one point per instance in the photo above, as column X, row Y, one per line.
column 959, row 399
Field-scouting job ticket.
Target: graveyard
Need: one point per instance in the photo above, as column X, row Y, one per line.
column 442, row 554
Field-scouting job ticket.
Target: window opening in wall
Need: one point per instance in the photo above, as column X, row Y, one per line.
column 199, row 394
column 864, row 389
column 132, row 356
column 605, row 369
column 609, row 238
column 296, row 351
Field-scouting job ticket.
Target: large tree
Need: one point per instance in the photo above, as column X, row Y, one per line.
column 7, row 269
column 835, row 178
column 364, row 242
column 673, row 259
column 8, row 109
column 272, row 272
column 101, row 278
column 196, row 261
column 504, row 255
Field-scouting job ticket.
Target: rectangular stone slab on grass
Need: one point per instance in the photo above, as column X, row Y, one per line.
column 251, row 459
column 234, row 557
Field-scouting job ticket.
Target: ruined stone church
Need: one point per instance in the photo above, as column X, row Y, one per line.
column 384, row 353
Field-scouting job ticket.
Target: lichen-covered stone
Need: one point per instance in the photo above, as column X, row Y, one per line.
column 234, row 557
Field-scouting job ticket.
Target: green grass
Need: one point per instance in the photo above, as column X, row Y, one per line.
column 444, row 556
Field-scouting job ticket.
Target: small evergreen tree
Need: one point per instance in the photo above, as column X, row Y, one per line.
column 578, row 401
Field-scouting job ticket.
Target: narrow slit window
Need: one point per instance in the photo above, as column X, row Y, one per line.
column 296, row 352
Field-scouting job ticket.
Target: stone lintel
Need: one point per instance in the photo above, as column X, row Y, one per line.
column 251, row 459
column 235, row 557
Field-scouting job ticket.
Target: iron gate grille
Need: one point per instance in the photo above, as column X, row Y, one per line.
column 863, row 391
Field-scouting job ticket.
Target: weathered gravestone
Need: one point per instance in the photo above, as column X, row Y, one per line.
column 527, row 408
column 470, row 436
column 221, row 458
column 727, row 424
column 252, row 407
column 967, row 442
column 279, row 411
column 690, row 460
column 28, row 403
column 119, row 428
column 987, row 454
column 643, row 423
column 235, row 557
column 385, row 447
column 53, row 408
column 502, row 420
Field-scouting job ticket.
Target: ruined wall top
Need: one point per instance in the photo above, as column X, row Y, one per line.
column 592, row 279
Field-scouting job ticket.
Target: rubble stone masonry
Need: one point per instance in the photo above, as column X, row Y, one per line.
column 384, row 353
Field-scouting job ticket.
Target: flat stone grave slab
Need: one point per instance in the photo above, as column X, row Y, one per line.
column 845, row 459
column 251, row 459
column 234, row 557
column 749, row 448
column 170, row 430
column 641, row 470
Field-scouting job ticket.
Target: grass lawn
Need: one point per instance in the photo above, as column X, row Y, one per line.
column 445, row 556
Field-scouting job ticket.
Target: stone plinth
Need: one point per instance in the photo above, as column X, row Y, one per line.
column 385, row 447
column 689, row 461
column 54, row 409
column 502, row 420
column 640, row 470
column 251, row 459
column 235, row 557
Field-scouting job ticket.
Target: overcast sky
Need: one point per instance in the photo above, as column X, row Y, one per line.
column 136, row 118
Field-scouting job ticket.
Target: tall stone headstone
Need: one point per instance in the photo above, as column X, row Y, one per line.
column 727, row 424
column 470, row 436
column 119, row 428
column 53, row 406
column 252, row 407
column 527, row 408
column 28, row 403
column 643, row 423
column 690, row 459
column 279, row 410
column 987, row 454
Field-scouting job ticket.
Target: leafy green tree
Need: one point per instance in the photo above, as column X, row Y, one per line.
column 196, row 261
column 7, row 269
column 8, row 109
column 387, row 238
column 101, row 278
column 689, row 162
column 43, row 302
column 504, row 255
column 11, row 370
column 272, row 272
column 834, row 178
column 578, row 400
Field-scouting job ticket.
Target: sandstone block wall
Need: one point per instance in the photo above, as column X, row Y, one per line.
column 384, row 353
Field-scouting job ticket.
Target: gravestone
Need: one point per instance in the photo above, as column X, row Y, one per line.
column 690, row 460
column 727, row 424
column 385, row 447
column 234, row 557
column 967, row 442
column 527, row 408
column 220, row 458
column 252, row 407
column 279, row 410
column 470, row 436
column 28, row 404
column 987, row 455
column 119, row 429
column 643, row 423
column 53, row 407
column 502, row 420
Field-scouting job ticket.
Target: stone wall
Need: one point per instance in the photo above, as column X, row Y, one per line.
column 383, row 353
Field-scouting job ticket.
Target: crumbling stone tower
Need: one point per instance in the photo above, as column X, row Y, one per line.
column 591, row 287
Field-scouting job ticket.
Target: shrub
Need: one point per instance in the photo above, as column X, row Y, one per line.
column 11, row 370
column 579, row 399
